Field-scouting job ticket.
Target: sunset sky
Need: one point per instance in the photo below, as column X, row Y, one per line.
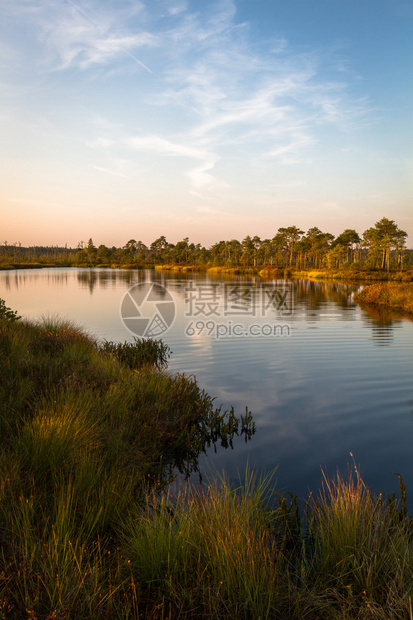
column 205, row 119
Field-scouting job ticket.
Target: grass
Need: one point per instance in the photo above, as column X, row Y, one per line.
column 233, row 270
column 390, row 295
column 362, row 550
column 212, row 553
column 91, row 435
column 139, row 353
column 353, row 273
column 348, row 273
column 175, row 267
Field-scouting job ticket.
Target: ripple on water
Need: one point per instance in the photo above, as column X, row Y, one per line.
column 341, row 382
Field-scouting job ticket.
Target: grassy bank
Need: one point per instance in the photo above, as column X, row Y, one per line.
column 355, row 275
column 183, row 268
column 86, row 430
column 233, row 270
column 209, row 269
column 390, row 295
column 88, row 530
column 344, row 274
column 9, row 266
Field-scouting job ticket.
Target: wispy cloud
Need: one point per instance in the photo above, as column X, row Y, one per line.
column 156, row 144
column 117, row 171
column 224, row 91
column 199, row 174
column 177, row 7
column 235, row 94
column 78, row 37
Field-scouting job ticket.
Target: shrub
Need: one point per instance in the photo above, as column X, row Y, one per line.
column 6, row 314
column 140, row 352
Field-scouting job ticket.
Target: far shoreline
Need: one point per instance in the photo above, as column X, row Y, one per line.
column 401, row 275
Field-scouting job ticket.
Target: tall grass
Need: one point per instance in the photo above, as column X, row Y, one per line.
column 246, row 552
column 362, row 554
column 212, row 554
column 139, row 353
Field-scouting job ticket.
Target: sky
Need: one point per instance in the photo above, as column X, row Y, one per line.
column 132, row 119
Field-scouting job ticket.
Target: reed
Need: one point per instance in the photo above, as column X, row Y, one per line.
column 362, row 558
column 140, row 352
column 210, row 551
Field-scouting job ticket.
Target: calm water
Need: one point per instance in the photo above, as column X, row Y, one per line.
column 341, row 381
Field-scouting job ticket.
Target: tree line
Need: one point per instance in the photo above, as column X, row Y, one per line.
column 382, row 246
column 15, row 253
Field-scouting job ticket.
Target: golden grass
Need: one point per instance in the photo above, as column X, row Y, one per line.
column 389, row 295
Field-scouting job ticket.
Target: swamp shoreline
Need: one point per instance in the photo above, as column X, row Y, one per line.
column 92, row 434
column 344, row 273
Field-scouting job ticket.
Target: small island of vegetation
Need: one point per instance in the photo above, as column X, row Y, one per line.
column 393, row 296
column 92, row 433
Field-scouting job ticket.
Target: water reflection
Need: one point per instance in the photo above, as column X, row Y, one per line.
column 310, row 294
column 20, row 278
column 313, row 295
column 326, row 390
column 317, row 301
column 382, row 322
column 90, row 278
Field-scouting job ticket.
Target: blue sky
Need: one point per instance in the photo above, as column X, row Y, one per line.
column 134, row 119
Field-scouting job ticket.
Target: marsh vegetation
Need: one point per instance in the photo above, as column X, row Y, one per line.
column 393, row 296
column 92, row 435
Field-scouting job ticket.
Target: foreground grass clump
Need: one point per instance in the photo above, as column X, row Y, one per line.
column 395, row 296
column 210, row 553
column 139, row 353
column 247, row 552
column 90, row 437
column 363, row 562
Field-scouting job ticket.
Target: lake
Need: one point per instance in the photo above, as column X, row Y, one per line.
column 322, row 377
